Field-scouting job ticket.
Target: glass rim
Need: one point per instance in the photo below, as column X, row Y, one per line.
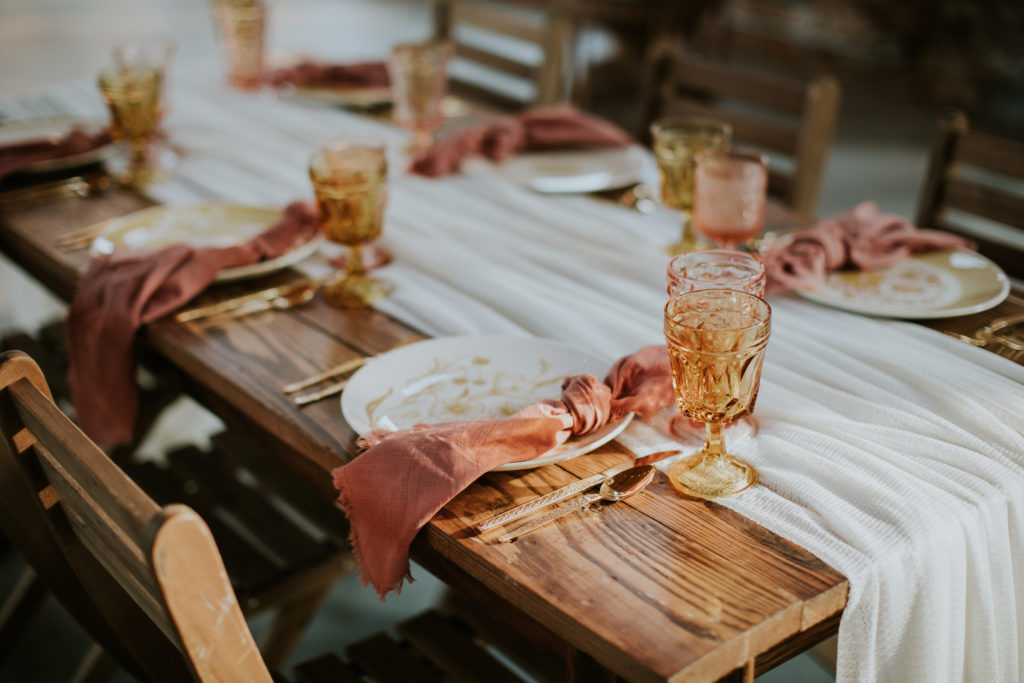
column 765, row 320
column 726, row 254
column 693, row 124
column 411, row 47
column 733, row 154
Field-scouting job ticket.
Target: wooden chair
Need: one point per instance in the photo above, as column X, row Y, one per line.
column 493, row 44
column 973, row 175
column 147, row 582
column 793, row 121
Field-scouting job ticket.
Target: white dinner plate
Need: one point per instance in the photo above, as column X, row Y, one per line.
column 937, row 284
column 210, row 224
column 576, row 171
column 470, row 378
column 55, row 127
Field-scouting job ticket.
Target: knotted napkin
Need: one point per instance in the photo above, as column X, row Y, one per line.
column 121, row 292
column 356, row 75
column 862, row 237
column 534, row 129
column 404, row 478
column 18, row 156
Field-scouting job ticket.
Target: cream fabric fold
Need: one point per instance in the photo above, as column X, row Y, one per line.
column 888, row 450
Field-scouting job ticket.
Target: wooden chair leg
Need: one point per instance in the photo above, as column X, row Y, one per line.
column 18, row 609
column 96, row 667
column 288, row 624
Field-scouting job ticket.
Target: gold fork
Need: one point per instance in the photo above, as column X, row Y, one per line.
column 350, row 365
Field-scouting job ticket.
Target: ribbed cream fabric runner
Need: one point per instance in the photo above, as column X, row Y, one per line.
column 886, row 449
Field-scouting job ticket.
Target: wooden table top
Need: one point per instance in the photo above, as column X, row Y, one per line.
column 656, row 588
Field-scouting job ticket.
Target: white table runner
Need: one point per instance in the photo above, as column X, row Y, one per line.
column 890, row 451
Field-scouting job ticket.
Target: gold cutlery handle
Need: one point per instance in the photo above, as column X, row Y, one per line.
column 340, row 369
column 542, row 502
column 239, row 301
column 246, row 308
column 549, row 517
column 333, row 389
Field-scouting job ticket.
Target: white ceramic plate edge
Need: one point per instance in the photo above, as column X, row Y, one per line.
column 993, row 301
column 102, row 244
column 560, row 453
column 61, row 123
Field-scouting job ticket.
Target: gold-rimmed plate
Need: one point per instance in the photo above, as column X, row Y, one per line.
column 18, row 131
column 937, row 284
column 209, row 224
column 453, row 379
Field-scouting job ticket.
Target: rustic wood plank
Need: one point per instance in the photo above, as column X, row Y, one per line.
column 992, row 153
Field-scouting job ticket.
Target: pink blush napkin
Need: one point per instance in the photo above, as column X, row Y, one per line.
column 15, row 157
column 356, row 75
column 122, row 292
column 862, row 237
column 404, row 478
column 535, row 129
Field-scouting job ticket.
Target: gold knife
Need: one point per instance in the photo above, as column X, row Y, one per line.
column 569, row 490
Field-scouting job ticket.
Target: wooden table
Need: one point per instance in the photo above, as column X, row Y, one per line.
column 684, row 590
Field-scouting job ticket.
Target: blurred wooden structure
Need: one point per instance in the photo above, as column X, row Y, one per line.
column 792, row 120
column 528, row 49
column 148, row 582
column 973, row 175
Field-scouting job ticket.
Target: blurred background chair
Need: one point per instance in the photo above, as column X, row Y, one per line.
column 506, row 54
column 975, row 186
column 280, row 559
column 792, row 120
column 148, row 581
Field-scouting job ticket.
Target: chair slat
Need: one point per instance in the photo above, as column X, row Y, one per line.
column 991, row 153
column 326, row 668
column 453, row 650
column 87, row 467
column 497, row 21
column 727, row 82
column 495, row 61
column 986, row 201
column 386, row 661
column 473, row 91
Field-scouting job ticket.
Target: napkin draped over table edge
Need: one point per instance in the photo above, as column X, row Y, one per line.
column 392, row 489
column 18, row 156
column 861, row 237
column 540, row 128
column 121, row 292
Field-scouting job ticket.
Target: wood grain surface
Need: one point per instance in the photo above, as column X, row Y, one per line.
column 656, row 587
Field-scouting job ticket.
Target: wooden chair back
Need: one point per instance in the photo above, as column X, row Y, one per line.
column 147, row 582
column 506, row 55
column 793, row 121
column 973, row 175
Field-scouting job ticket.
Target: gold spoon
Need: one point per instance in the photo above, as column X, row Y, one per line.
column 622, row 485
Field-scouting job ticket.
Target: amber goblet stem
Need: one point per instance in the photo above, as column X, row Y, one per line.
column 356, row 267
column 714, row 442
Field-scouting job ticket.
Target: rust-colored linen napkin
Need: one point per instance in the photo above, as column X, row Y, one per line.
column 309, row 72
column 558, row 127
column 21, row 155
column 122, row 292
column 404, row 478
column 862, row 237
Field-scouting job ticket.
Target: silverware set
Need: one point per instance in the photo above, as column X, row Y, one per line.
column 616, row 482
column 83, row 185
column 278, row 298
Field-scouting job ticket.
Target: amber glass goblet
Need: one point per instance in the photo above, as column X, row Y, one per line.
column 716, row 343
column 419, row 83
column 350, row 183
column 729, row 195
column 133, row 99
column 676, row 142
